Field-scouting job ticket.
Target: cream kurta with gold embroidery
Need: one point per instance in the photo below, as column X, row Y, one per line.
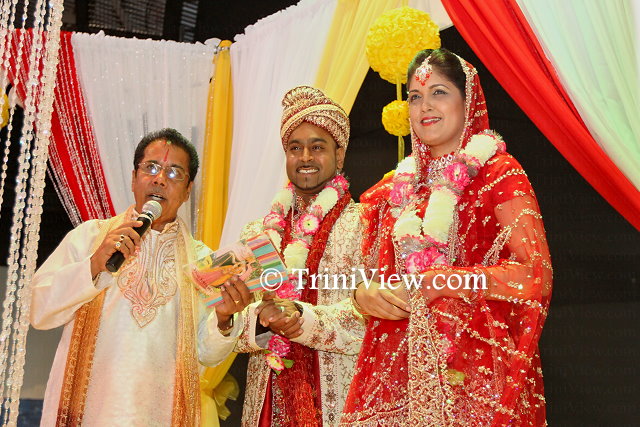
column 332, row 327
column 132, row 379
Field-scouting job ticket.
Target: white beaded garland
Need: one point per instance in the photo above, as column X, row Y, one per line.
column 39, row 74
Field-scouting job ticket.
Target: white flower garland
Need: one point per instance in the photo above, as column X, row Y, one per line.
column 297, row 251
column 432, row 232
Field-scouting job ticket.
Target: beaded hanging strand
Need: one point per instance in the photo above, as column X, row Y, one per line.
column 27, row 210
column 81, row 151
column 5, row 48
column 12, row 275
column 9, row 336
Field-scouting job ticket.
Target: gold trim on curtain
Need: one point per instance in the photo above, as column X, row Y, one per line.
column 344, row 63
column 211, row 213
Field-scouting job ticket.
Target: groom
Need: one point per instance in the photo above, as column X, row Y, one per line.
column 317, row 225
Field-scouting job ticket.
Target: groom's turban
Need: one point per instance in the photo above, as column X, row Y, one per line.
column 308, row 104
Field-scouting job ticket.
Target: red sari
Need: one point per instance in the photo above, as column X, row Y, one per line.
column 460, row 361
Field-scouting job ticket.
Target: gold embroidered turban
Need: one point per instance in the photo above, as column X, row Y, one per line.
column 308, row 104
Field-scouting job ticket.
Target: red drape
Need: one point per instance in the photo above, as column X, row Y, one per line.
column 73, row 155
column 499, row 34
column 74, row 143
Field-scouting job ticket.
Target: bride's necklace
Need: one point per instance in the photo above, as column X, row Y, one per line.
column 437, row 165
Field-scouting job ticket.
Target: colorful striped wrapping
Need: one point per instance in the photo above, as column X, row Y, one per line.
column 268, row 259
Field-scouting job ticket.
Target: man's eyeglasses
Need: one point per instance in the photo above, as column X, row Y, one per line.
column 174, row 173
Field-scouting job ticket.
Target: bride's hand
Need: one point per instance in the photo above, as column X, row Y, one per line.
column 382, row 303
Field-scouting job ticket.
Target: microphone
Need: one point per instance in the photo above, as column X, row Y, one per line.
column 150, row 211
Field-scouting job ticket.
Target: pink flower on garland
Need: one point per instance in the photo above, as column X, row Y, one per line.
column 420, row 261
column 400, row 192
column 274, row 361
column 289, row 290
column 473, row 163
column 279, row 345
column 340, row 183
column 275, row 221
column 308, row 224
column 457, row 175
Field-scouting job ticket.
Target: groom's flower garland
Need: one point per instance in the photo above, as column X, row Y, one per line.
column 297, row 251
column 425, row 239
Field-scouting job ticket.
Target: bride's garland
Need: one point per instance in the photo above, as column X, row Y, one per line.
column 297, row 251
column 424, row 240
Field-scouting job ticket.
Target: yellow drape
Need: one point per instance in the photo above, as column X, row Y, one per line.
column 217, row 151
column 344, row 63
column 215, row 384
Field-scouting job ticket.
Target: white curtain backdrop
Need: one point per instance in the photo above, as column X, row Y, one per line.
column 436, row 11
column 274, row 55
column 635, row 4
column 592, row 45
column 133, row 87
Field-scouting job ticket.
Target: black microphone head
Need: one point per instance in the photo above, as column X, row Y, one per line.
column 153, row 208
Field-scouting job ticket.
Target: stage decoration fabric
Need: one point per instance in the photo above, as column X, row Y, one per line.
column 593, row 48
column 273, row 55
column 74, row 163
column 4, row 120
column 500, row 35
column 216, row 385
column 344, row 65
column 75, row 166
column 217, row 150
column 392, row 42
column 40, row 65
column 122, row 110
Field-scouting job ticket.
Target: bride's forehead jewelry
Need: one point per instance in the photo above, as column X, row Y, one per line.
column 423, row 72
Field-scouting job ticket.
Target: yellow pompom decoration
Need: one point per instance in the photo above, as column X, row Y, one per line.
column 394, row 39
column 395, row 118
